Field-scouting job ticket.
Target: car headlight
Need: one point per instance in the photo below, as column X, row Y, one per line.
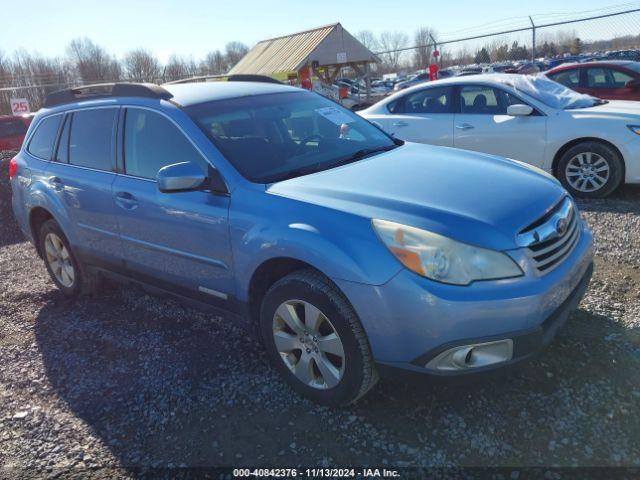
column 634, row 128
column 442, row 259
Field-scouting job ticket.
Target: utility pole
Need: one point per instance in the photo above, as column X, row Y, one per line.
column 533, row 43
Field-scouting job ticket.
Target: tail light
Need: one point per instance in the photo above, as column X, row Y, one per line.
column 13, row 167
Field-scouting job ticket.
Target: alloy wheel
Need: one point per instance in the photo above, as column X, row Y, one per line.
column 59, row 260
column 587, row 172
column 308, row 344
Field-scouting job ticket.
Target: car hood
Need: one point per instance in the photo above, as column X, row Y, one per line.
column 471, row 197
column 613, row 109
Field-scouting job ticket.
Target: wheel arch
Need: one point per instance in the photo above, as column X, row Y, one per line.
column 268, row 273
column 37, row 216
column 562, row 150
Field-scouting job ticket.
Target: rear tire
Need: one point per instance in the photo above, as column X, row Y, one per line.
column 69, row 275
column 590, row 170
column 325, row 356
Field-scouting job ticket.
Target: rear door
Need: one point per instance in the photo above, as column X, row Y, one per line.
column 484, row 126
column 82, row 174
column 423, row 116
column 179, row 241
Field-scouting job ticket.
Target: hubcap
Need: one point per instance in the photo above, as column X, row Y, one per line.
column 59, row 260
column 308, row 344
column 587, row 172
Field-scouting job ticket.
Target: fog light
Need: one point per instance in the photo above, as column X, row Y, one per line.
column 473, row 356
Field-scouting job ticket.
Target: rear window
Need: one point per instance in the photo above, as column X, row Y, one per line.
column 12, row 128
column 91, row 138
column 41, row 144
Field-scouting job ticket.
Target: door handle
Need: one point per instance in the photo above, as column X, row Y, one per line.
column 400, row 123
column 464, row 126
column 126, row 201
column 56, row 183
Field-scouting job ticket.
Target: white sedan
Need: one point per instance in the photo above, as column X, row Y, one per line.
column 590, row 145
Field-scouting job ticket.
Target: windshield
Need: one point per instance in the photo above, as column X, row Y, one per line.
column 549, row 92
column 273, row 137
column 635, row 66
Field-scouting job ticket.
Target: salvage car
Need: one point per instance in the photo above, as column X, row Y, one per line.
column 348, row 252
column 592, row 146
column 613, row 80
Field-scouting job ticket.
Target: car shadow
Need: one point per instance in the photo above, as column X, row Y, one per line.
column 624, row 200
column 162, row 384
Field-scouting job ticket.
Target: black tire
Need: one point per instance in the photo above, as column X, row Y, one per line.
column 608, row 154
column 359, row 374
column 83, row 282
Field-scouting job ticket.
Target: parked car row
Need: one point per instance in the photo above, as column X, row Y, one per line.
column 592, row 146
column 13, row 130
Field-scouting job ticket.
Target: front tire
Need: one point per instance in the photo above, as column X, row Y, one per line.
column 64, row 269
column 314, row 338
column 590, row 170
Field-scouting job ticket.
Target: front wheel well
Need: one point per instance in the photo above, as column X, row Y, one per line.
column 266, row 275
column 577, row 141
column 37, row 217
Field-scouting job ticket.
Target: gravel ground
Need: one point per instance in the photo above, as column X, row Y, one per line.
column 125, row 381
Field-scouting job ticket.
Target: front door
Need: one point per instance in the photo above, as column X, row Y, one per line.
column 484, row 126
column 179, row 241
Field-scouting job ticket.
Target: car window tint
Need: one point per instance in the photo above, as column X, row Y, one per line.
column 481, row 100
column 12, row 128
column 62, row 155
column 600, row 78
column 568, row 78
column 41, row 144
column 91, row 138
column 429, row 100
column 151, row 142
column 620, row 79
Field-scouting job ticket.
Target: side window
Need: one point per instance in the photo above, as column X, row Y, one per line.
column 62, row 155
column 599, row 78
column 41, row 144
column 481, row 100
column 568, row 78
column 91, row 138
column 620, row 78
column 152, row 142
column 429, row 100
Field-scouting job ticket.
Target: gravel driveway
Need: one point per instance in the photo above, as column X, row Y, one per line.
column 126, row 380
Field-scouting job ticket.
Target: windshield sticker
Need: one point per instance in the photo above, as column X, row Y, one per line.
column 335, row 115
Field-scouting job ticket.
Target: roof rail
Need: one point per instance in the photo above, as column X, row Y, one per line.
column 106, row 90
column 229, row 78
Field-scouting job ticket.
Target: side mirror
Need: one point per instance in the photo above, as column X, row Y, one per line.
column 633, row 84
column 181, row 177
column 519, row 110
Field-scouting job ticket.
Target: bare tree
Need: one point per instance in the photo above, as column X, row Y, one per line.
column 92, row 62
column 390, row 44
column 178, row 68
column 368, row 39
column 214, row 63
column 141, row 66
column 424, row 47
column 234, row 51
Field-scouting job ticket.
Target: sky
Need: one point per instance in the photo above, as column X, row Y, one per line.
column 194, row 27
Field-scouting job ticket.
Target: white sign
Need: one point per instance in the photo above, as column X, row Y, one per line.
column 20, row 106
column 335, row 115
column 341, row 57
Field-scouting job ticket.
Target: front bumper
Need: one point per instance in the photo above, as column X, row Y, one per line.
column 410, row 319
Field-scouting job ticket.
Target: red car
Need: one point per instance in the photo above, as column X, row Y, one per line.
column 13, row 130
column 613, row 80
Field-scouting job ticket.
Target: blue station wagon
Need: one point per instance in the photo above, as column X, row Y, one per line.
column 350, row 253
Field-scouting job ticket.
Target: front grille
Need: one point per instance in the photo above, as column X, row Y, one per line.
column 550, row 239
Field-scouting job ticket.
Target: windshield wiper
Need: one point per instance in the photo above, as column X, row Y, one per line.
column 362, row 153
